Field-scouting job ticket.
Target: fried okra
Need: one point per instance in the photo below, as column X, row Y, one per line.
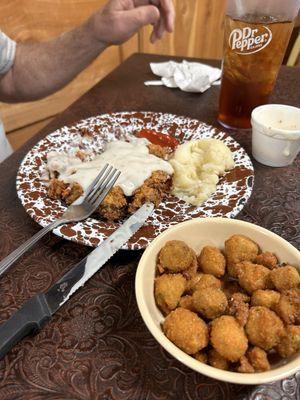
column 206, row 281
column 258, row 359
column 290, row 343
column 285, row 278
column 230, row 287
column 210, row 302
column 216, row 360
column 212, row 261
column 176, row 256
column 201, row 356
column 252, row 276
column 245, row 366
column 239, row 248
column 265, row 298
column 186, row 330
column 264, row 328
column 288, row 307
column 228, row 338
column 168, row 289
column 238, row 307
column 267, row 259
column 192, row 282
column 187, row 302
column 250, row 304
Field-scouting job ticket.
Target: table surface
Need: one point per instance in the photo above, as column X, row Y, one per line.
column 97, row 346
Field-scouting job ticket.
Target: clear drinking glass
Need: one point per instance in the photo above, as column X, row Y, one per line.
column 257, row 33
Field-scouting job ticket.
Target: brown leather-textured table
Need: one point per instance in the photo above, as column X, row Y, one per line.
column 97, row 346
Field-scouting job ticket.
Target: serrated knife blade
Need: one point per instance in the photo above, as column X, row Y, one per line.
column 39, row 309
column 85, row 269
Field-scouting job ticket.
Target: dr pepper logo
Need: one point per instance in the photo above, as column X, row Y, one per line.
column 248, row 41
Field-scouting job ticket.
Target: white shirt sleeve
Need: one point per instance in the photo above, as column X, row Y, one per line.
column 7, row 58
column 5, row 147
column 7, row 53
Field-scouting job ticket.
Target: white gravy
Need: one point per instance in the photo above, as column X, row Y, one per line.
column 131, row 158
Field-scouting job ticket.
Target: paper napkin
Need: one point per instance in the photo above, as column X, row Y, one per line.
column 187, row 76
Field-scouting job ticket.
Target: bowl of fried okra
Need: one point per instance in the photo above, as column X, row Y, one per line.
column 222, row 296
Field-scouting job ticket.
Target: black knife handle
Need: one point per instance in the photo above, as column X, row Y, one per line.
column 33, row 314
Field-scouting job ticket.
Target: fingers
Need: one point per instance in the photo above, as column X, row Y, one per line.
column 161, row 26
column 143, row 15
column 158, row 30
column 153, row 36
column 161, row 29
column 166, row 8
column 168, row 12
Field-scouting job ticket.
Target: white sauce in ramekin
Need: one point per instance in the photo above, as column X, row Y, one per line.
column 278, row 121
column 275, row 134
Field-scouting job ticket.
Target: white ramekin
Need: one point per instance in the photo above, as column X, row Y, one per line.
column 275, row 134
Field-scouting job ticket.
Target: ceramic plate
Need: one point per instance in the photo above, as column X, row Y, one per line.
column 233, row 189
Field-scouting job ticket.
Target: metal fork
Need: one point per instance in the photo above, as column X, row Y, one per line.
column 94, row 196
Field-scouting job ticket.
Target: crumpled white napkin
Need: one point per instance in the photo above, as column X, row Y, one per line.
column 187, row 76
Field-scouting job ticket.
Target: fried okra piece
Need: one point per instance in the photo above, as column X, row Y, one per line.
column 186, row 330
column 210, row 302
column 230, row 287
column 114, row 206
column 192, row 282
column 241, row 297
column 267, row 259
column 201, row 356
column 176, row 256
column 290, row 343
column 265, row 298
column 187, row 302
column 288, row 307
column 245, row 366
column 205, row 281
column 238, row 307
column 264, row 328
column 168, row 289
column 252, row 276
column 216, row 360
column 228, row 338
column 191, row 272
column 258, row 359
column 212, row 261
column 285, row 278
column 239, row 248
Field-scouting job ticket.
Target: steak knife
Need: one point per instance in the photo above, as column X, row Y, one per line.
column 39, row 309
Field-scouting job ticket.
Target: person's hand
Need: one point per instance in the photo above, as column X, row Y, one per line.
column 119, row 20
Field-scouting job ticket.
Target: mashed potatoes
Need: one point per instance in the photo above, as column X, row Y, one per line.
column 197, row 167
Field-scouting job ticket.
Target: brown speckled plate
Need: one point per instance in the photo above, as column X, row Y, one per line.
column 233, row 190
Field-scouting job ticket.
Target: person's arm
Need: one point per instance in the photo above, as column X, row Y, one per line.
column 42, row 68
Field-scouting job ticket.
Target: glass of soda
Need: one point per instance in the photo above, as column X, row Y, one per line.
column 256, row 37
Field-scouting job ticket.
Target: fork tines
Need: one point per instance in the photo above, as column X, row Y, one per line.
column 102, row 185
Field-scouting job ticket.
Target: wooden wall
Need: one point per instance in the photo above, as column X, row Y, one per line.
column 198, row 33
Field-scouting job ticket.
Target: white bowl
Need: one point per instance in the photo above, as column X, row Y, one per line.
column 275, row 134
column 198, row 233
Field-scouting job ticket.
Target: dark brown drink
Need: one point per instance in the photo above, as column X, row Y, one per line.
column 253, row 52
